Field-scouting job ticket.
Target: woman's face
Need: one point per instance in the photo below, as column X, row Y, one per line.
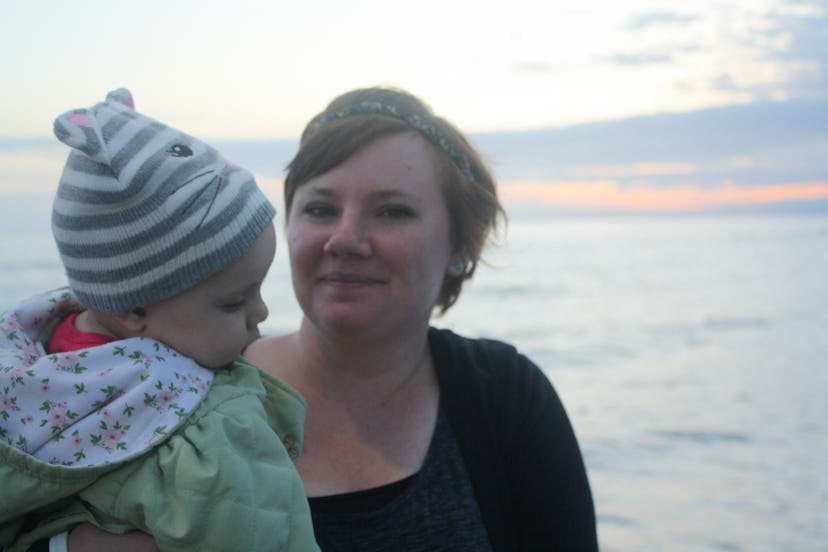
column 369, row 240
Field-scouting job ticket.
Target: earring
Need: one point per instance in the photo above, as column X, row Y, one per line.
column 459, row 266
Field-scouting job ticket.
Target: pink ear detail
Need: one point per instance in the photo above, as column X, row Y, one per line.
column 228, row 162
column 80, row 119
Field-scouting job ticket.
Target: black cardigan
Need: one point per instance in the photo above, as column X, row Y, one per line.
column 517, row 443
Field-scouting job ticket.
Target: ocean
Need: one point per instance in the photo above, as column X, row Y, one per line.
column 691, row 353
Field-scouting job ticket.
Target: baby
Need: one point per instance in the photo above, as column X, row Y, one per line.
column 124, row 400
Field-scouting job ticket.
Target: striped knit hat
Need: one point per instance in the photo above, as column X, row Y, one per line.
column 143, row 211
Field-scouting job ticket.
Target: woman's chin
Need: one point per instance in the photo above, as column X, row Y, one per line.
column 347, row 320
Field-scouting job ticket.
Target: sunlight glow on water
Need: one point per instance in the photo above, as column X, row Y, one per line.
column 690, row 353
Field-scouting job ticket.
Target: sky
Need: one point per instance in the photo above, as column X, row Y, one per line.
column 246, row 70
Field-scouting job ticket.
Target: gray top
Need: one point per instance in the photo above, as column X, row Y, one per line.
column 433, row 510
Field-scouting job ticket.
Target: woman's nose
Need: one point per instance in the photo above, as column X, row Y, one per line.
column 349, row 236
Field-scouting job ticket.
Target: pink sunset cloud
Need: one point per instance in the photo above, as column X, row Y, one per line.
column 609, row 194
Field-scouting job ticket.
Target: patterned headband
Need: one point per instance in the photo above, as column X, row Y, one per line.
column 416, row 122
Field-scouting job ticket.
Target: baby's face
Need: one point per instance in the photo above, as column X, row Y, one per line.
column 214, row 321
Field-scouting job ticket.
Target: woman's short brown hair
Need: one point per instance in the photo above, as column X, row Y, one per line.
column 359, row 117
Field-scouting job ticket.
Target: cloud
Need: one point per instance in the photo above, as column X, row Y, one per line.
column 784, row 53
column 643, row 21
column 610, row 196
column 538, row 67
column 641, row 58
column 725, row 82
column 739, row 52
column 744, row 144
column 764, row 153
column 799, row 28
column 633, row 170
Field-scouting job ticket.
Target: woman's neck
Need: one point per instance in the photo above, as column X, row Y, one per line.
column 372, row 405
column 380, row 369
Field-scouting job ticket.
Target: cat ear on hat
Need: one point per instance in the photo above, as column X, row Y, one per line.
column 121, row 96
column 79, row 128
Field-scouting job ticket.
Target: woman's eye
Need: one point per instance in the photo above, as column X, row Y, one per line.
column 396, row 212
column 318, row 210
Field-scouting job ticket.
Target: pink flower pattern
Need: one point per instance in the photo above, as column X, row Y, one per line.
column 7, row 403
column 165, row 399
column 64, row 407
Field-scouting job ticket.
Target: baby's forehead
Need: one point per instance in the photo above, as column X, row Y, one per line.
column 248, row 270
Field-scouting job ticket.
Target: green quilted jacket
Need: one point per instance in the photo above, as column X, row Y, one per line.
column 225, row 480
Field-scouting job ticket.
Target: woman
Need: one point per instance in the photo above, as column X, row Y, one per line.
column 416, row 438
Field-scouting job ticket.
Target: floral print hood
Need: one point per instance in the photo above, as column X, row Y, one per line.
column 92, row 406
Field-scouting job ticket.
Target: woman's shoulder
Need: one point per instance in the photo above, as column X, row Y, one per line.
column 493, row 360
column 453, row 339
column 482, row 349
column 269, row 352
